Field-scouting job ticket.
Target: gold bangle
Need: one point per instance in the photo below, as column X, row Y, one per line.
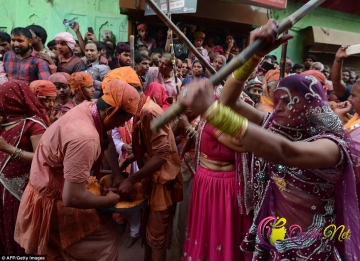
column 242, row 74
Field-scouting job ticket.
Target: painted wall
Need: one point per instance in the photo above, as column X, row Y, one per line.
column 319, row 17
column 98, row 14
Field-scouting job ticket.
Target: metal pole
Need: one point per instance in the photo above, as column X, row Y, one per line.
column 239, row 60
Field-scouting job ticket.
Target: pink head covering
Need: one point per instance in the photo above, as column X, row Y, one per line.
column 156, row 92
column 66, row 37
column 62, row 77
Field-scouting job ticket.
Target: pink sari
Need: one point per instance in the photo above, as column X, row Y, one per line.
column 215, row 226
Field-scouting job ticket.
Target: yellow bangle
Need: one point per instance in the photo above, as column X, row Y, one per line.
column 242, row 74
column 226, row 120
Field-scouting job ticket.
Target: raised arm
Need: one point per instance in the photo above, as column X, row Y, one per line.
column 336, row 72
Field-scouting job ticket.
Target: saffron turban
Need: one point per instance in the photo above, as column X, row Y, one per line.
column 142, row 26
column 272, row 75
column 121, row 96
column 254, row 83
column 199, row 34
column 66, row 37
column 126, row 74
column 80, row 80
column 43, row 88
column 61, row 77
column 320, row 77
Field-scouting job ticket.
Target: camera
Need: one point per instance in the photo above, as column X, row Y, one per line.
column 68, row 23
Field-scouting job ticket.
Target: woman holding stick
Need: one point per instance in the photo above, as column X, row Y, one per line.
column 301, row 170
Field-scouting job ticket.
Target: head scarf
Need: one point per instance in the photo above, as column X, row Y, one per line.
column 218, row 49
column 121, row 96
column 272, row 75
column 321, row 122
column 156, row 92
column 61, row 77
column 66, row 37
column 199, row 34
column 254, row 83
column 126, row 74
column 80, row 80
column 18, row 102
column 43, row 88
column 320, row 77
column 223, row 59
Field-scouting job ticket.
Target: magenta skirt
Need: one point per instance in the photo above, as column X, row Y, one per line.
column 215, row 227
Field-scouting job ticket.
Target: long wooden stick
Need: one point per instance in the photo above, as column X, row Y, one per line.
column 239, row 60
column 181, row 36
column 283, row 59
column 132, row 51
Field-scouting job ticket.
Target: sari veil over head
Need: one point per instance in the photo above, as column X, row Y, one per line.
column 324, row 196
column 18, row 102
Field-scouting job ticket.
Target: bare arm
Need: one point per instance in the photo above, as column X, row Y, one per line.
column 336, row 73
column 112, row 158
column 75, row 195
column 230, row 97
column 76, row 29
column 278, row 149
column 167, row 44
column 27, row 156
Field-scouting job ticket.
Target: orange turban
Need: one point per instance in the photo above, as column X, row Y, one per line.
column 142, row 26
column 199, row 34
column 80, row 80
column 43, row 88
column 121, row 95
column 272, row 75
column 126, row 74
column 320, row 77
column 61, row 77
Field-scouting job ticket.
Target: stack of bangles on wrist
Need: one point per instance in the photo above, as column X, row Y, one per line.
column 17, row 154
column 225, row 119
column 242, row 74
column 191, row 132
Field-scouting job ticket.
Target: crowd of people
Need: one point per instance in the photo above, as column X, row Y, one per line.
column 252, row 170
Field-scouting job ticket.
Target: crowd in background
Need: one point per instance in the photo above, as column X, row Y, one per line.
column 208, row 185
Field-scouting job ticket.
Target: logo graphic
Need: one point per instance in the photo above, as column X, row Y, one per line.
column 273, row 229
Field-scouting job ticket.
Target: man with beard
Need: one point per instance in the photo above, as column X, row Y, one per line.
column 68, row 62
column 308, row 61
column 123, row 54
column 255, row 88
column 22, row 63
column 94, row 68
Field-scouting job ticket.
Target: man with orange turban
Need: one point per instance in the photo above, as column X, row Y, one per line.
column 144, row 38
column 71, row 228
column 156, row 155
column 82, row 85
column 45, row 92
column 270, row 81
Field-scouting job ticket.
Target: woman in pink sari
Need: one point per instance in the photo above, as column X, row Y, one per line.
column 23, row 123
column 215, row 225
column 302, row 179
